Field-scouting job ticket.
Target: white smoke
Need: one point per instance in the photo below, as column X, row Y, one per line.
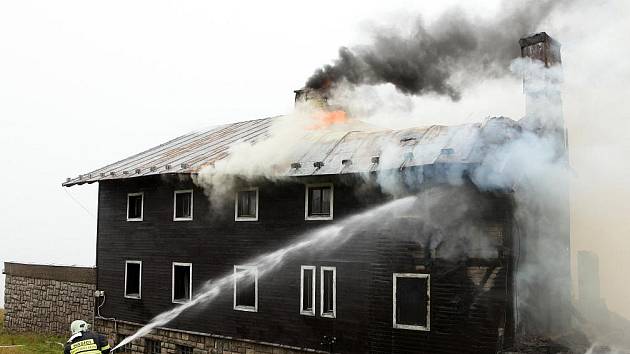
column 268, row 157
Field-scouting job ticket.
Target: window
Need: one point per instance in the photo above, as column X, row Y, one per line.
column 182, row 282
column 182, row 349
column 133, row 279
column 183, row 205
column 307, row 290
column 411, row 301
column 134, row 206
column 152, row 346
column 246, row 288
column 246, row 205
column 319, row 202
column 125, row 348
column 328, row 292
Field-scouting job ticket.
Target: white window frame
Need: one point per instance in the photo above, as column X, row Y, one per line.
column 321, row 292
column 139, row 296
column 190, row 277
column 245, row 218
column 332, row 198
column 412, row 275
column 310, row 312
column 182, row 191
column 141, row 208
column 254, row 270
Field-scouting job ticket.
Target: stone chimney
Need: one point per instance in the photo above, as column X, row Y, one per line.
column 542, row 78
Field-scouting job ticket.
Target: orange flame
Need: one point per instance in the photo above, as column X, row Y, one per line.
column 326, row 119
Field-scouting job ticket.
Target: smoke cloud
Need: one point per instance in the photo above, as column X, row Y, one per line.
column 441, row 58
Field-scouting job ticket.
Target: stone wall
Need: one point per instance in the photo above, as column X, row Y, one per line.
column 172, row 341
column 46, row 299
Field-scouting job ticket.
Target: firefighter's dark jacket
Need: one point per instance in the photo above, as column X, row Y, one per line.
column 87, row 343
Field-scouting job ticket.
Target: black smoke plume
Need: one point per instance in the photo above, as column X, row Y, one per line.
column 441, row 58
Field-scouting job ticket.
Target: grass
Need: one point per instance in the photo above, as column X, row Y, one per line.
column 31, row 343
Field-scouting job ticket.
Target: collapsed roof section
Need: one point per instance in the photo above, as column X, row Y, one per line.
column 320, row 152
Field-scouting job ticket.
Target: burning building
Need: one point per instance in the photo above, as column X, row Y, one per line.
column 373, row 240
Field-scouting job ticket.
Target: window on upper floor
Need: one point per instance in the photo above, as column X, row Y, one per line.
column 246, row 288
column 319, row 202
column 411, row 301
column 328, row 292
column 307, row 290
column 133, row 279
column 182, row 282
column 135, row 204
column 246, row 205
column 183, row 205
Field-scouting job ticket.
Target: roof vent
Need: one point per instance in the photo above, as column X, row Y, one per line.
column 346, row 162
column 296, row 165
column 318, row 164
column 375, row 159
column 184, row 165
column 112, row 173
column 102, row 174
column 138, row 170
column 125, row 172
column 153, row 168
column 68, row 179
column 167, row 167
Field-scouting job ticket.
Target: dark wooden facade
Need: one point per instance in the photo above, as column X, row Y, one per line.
column 471, row 301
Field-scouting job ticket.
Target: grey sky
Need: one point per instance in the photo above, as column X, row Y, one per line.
column 83, row 84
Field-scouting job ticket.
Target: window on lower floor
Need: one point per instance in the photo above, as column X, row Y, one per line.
column 134, row 206
column 246, row 288
column 328, row 292
column 411, row 304
column 319, row 201
column 307, row 290
column 125, row 348
column 152, row 346
column 183, row 205
column 182, row 282
column 133, row 279
column 182, row 349
column 246, row 207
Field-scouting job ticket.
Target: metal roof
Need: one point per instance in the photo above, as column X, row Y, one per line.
column 321, row 152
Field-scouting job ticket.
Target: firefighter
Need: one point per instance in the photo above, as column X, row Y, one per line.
column 83, row 341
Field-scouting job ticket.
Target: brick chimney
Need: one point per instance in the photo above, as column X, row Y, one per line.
column 542, row 78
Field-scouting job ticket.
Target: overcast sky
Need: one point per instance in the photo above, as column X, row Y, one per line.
column 85, row 83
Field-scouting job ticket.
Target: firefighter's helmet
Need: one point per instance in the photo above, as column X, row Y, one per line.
column 79, row 326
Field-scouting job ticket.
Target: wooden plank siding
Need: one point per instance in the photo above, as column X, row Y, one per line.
column 463, row 314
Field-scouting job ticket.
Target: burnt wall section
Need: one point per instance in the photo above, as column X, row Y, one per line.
column 46, row 299
column 171, row 341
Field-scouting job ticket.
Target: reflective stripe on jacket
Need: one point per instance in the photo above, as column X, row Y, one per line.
column 87, row 343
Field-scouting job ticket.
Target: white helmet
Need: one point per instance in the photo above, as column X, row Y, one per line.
column 79, row 326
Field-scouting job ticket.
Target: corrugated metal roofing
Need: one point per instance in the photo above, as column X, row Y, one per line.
column 319, row 153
